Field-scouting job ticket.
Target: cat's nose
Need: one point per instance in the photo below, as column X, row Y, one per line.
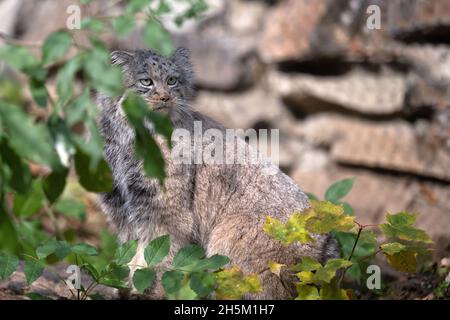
column 164, row 98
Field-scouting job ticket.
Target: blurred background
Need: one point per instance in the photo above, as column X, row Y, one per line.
column 350, row 99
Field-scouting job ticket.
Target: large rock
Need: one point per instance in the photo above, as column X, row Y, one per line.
column 391, row 145
column 288, row 28
column 374, row 195
column 221, row 61
column 359, row 91
column 306, row 30
column 243, row 110
column 420, row 20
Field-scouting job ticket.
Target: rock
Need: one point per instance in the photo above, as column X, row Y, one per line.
column 374, row 195
column 9, row 10
column 221, row 61
column 244, row 110
column 391, row 145
column 358, row 91
column 308, row 30
column 245, row 17
column 288, row 28
column 420, row 20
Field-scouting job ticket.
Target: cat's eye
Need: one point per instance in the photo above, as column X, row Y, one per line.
column 146, row 82
column 171, row 81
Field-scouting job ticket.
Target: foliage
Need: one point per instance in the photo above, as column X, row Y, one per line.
column 41, row 143
column 50, row 145
column 316, row 281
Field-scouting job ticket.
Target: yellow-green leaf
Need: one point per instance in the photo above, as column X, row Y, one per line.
column 392, row 248
column 275, row 267
column 332, row 292
column 306, row 277
column 307, row 264
column 233, row 284
column 400, row 226
column 306, row 292
column 404, row 261
column 327, row 217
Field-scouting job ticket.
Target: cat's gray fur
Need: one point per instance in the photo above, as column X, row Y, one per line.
column 220, row 207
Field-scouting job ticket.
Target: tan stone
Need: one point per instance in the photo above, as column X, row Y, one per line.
column 391, row 145
column 360, row 91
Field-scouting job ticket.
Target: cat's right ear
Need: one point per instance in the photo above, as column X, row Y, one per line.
column 121, row 58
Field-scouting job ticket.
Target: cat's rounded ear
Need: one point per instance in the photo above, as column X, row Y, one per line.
column 181, row 55
column 121, row 58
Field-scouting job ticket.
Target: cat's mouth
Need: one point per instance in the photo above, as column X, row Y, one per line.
column 159, row 105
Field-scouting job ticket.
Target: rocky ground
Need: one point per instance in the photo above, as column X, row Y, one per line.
column 349, row 101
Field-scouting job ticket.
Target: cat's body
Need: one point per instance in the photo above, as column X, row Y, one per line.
column 221, row 207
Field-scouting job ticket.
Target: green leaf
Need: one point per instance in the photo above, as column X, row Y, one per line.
column 348, row 209
column 8, row 234
column 71, row 208
column 400, row 226
column 31, row 202
column 92, row 24
column 143, row 278
column 118, row 271
column 307, row 292
column 22, row 59
column 96, row 179
column 146, row 147
column 332, row 292
column 31, row 232
column 157, row 250
column 339, row 189
column 91, row 270
column 137, row 5
column 60, row 248
column 84, row 249
column 54, row 183
column 114, row 283
column 123, row 25
column 8, row 264
column 392, row 248
column 101, row 74
column 212, row 263
column 33, row 270
column 126, row 252
column 157, row 38
column 172, row 281
column 188, row 256
column 19, row 177
column 66, row 77
column 56, row 46
column 202, row 283
column 38, row 91
column 29, row 140
column 307, row 264
column 328, row 272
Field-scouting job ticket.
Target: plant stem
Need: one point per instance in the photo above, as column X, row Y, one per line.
column 351, row 254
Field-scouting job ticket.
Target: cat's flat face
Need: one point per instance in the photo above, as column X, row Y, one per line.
column 165, row 83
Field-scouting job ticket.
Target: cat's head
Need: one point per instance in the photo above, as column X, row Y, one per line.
column 165, row 82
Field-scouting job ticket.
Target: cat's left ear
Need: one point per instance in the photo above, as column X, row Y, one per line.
column 181, row 57
column 121, row 58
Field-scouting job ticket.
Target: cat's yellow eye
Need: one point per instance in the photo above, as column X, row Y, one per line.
column 146, row 82
column 171, row 81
